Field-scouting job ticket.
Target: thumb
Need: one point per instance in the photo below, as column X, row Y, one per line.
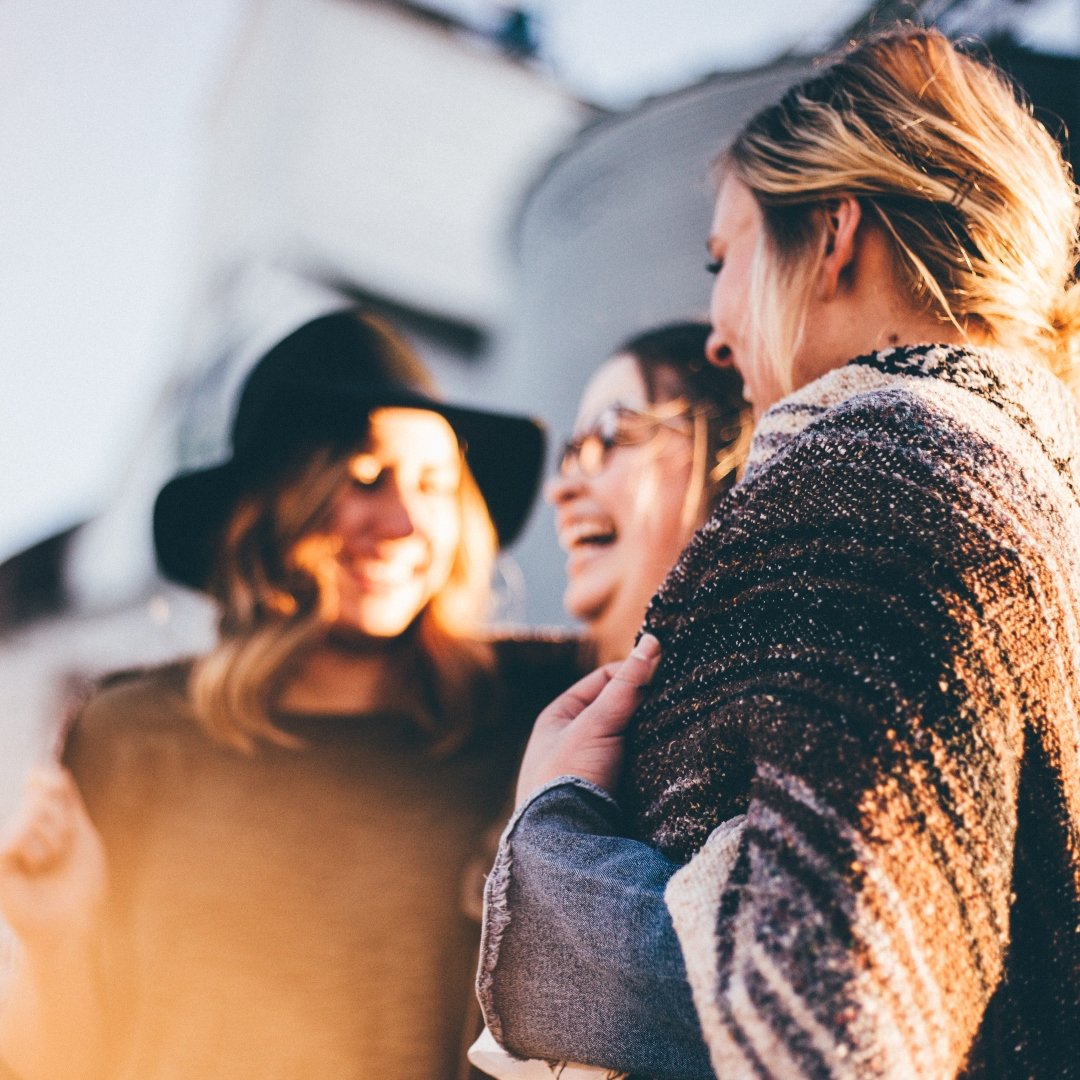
column 615, row 704
column 640, row 665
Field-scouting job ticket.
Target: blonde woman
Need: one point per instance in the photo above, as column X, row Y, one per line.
column 846, row 841
column 273, row 883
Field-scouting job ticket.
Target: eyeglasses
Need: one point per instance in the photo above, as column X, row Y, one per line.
column 617, row 426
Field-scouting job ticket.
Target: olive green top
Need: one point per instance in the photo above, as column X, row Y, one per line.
column 293, row 914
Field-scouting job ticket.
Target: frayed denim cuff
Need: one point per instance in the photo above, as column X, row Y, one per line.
column 579, row 960
column 496, row 916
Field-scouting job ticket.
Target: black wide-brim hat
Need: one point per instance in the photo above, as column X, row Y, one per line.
column 315, row 388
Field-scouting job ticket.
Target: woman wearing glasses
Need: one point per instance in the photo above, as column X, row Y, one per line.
column 660, row 435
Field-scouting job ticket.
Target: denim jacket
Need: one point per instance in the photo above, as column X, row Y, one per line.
column 594, row 973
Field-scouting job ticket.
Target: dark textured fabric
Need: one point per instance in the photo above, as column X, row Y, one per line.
column 293, row 913
column 872, row 649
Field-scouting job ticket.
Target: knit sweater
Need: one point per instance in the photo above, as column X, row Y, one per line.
column 872, row 650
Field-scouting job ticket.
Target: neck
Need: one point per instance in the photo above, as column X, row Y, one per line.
column 338, row 677
column 869, row 309
column 610, row 647
column 915, row 328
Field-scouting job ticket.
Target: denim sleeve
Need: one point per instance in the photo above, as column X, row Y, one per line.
column 579, row 959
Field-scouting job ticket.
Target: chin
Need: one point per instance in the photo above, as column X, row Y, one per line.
column 583, row 604
column 377, row 625
column 349, row 636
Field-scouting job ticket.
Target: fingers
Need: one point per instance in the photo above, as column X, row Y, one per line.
column 619, row 697
column 41, row 830
column 631, row 674
column 640, row 666
column 583, row 693
column 580, row 733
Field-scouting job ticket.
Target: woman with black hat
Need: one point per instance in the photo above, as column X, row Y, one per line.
column 273, row 887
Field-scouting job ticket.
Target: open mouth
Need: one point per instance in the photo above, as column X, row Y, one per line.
column 577, row 535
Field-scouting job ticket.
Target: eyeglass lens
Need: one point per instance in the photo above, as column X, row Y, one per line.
column 615, row 426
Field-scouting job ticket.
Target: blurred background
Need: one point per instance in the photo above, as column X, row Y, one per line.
column 518, row 188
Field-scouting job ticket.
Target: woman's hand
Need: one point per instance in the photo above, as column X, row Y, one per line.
column 53, row 880
column 581, row 732
column 53, row 875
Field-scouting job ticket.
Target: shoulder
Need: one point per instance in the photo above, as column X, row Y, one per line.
column 883, row 454
column 540, row 658
column 130, row 690
column 872, row 484
column 956, row 408
column 531, row 670
column 127, row 707
column 127, row 743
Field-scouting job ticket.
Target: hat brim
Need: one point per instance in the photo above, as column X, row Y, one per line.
column 504, row 452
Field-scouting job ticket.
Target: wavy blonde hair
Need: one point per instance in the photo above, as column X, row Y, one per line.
column 269, row 613
column 942, row 152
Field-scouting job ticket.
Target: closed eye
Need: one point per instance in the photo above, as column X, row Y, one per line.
column 365, row 471
column 439, row 484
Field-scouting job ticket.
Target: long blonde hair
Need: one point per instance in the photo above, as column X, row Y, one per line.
column 269, row 612
column 973, row 193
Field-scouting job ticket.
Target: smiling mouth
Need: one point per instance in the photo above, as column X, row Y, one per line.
column 378, row 577
column 580, row 535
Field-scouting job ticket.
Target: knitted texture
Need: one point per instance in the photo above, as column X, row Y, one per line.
column 872, row 650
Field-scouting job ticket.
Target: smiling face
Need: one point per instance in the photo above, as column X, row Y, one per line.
column 623, row 527
column 393, row 531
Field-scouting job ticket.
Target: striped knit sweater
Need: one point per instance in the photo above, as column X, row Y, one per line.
column 872, row 650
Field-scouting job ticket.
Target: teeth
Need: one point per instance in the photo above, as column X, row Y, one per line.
column 585, row 532
column 384, row 573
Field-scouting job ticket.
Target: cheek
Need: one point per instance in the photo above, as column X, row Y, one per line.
column 631, row 479
column 716, row 305
column 443, row 529
column 660, row 510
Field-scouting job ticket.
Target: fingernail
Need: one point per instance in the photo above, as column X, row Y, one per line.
column 646, row 648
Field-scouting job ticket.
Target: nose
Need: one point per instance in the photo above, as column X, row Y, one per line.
column 562, row 487
column 394, row 520
column 718, row 352
column 380, row 515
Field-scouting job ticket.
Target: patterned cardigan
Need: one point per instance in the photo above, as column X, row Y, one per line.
column 872, row 651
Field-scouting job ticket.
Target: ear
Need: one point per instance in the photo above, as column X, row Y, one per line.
column 841, row 219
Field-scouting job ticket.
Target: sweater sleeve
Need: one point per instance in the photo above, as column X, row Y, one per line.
column 858, row 629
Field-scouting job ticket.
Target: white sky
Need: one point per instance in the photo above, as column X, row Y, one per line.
column 101, row 111
column 100, row 108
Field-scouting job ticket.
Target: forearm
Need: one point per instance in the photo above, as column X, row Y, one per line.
column 51, row 1021
column 579, row 960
